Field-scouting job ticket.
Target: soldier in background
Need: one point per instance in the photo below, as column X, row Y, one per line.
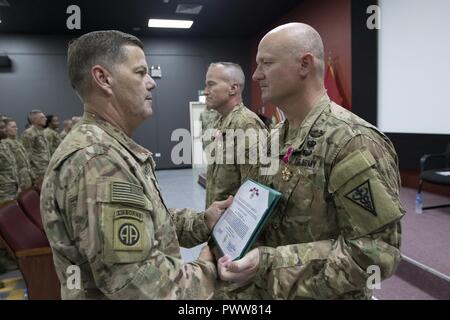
column 340, row 210
column 51, row 132
column 101, row 203
column 36, row 145
column 20, row 155
column 66, row 129
column 9, row 179
column 8, row 189
column 224, row 85
column 11, row 128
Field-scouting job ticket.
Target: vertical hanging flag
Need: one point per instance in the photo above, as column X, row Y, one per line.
column 331, row 85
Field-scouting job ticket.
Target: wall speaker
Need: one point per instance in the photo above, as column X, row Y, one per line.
column 5, row 62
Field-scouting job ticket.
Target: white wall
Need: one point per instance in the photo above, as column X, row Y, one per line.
column 414, row 66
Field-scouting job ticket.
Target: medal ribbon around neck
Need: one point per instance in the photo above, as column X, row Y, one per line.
column 288, row 155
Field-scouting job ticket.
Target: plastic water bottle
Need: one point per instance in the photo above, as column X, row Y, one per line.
column 25, row 294
column 419, row 203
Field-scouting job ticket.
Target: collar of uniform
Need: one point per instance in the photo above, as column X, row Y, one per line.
column 305, row 126
column 138, row 151
column 36, row 130
column 225, row 122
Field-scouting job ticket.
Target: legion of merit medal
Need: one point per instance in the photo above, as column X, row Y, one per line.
column 286, row 173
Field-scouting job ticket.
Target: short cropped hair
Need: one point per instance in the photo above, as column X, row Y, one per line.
column 98, row 47
column 234, row 72
column 32, row 113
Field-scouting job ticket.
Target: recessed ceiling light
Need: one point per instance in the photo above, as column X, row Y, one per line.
column 165, row 23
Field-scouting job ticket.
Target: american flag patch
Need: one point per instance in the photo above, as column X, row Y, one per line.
column 128, row 193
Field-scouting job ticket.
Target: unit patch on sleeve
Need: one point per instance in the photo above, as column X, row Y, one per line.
column 128, row 228
column 362, row 196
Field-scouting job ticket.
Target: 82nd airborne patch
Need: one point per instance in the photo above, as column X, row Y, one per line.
column 362, row 196
column 128, row 228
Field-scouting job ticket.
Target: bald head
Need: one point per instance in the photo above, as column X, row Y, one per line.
column 298, row 39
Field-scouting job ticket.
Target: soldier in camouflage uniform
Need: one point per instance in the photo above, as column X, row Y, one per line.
column 20, row 155
column 101, row 203
column 36, row 145
column 9, row 179
column 340, row 211
column 223, row 90
column 8, row 189
column 51, row 132
column 66, row 129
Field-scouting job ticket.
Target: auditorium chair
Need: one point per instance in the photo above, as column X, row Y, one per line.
column 431, row 165
column 29, row 247
column 29, row 202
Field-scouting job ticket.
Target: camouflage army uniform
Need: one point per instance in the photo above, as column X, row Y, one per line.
column 339, row 213
column 103, row 211
column 9, row 179
column 38, row 150
column 63, row 134
column 23, row 164
column 208, row 118
column 53, row 138
column 224, row 179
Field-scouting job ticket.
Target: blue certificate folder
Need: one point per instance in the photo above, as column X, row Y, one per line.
column 255, row 203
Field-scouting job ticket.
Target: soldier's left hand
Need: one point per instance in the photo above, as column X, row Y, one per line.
column 213, row 213
column 239, row 271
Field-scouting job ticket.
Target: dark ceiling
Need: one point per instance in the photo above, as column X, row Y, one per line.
column 218, row 18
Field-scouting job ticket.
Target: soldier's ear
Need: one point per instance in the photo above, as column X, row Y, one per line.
column 102, row 78
column 305, row 64
column 234, row 87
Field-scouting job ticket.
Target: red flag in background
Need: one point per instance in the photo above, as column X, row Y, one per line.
column 331, row 85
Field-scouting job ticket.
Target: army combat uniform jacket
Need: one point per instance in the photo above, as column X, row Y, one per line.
column 207, row 119
column 103, row 213
column 224, row 179
column 38, row 150
column 23, row 164
column 338, row 220
column 53, row 139
column 9, row 179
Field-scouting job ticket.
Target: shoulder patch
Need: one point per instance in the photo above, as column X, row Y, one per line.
column 362, row 196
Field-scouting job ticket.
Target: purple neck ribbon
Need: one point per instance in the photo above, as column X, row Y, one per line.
column 288, row 155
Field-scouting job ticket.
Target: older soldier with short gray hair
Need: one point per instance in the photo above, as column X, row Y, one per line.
column 36, row 145
column 224, row 85
column 101, row 203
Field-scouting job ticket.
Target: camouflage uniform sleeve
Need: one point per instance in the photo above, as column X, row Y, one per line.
column 26, row 142
column 137, row 270
column 364, row 186
column 251, row 150
column 191, row 227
